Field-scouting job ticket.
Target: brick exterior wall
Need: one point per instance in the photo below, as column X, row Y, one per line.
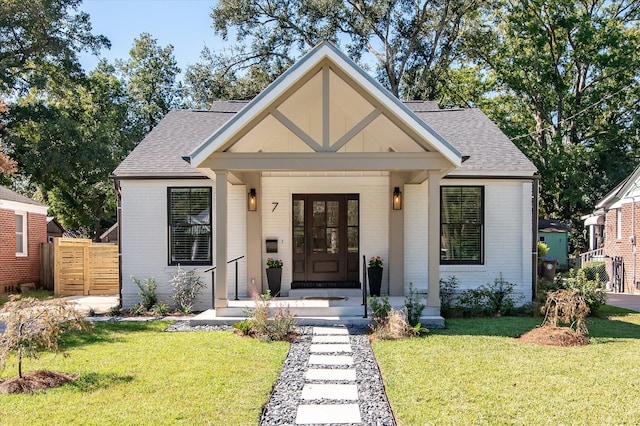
column 622, row 247
column 14, row 269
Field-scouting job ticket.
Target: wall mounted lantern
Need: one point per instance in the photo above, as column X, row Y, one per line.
column 397, row 198
column 252, row 200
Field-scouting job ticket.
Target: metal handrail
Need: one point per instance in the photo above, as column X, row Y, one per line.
column 213, row 280
column 364, row 284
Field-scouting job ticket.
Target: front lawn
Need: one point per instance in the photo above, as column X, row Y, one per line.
column 476, row 372
column 134, row 373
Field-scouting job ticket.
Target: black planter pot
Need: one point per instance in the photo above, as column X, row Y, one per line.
column 274, row 278
column 375, row 280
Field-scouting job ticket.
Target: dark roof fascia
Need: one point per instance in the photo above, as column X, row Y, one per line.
column 157, row 177
column 494, row 177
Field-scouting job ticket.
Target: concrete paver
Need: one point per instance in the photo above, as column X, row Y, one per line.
column 330, row 339
column 328, row 414
column 330, row 330
column 312, row 391
column 331, row 374
column 330, row 348
column 330, row 360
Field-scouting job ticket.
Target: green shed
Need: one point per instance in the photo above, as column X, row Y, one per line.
column 556, row 236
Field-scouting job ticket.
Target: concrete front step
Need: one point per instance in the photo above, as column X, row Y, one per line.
column 211, row 317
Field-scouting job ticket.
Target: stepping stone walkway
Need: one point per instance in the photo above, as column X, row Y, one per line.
column 330, row 377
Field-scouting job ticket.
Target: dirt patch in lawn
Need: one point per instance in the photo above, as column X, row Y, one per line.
column 554, row 336
column 34, row 381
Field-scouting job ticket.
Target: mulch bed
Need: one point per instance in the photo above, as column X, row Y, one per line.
column 33, row 381
column 554, row 336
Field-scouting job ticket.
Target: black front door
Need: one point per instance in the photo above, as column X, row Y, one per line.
column 325, row 238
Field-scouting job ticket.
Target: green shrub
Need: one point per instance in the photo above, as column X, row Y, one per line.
column 448, row 290
column 147, row 292
column 380, row 310
column 115, row 311
column 592, row 291
column 492, row 300
column 186, row 287
column 414, row 307
column 137, row 310
column 244, row 327
column 160, row 309
column 543, row 249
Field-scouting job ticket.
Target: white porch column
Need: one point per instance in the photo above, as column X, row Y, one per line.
column 433, row 240
column 221, row 240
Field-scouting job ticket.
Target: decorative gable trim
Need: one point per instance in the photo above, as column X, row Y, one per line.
column 320, row 60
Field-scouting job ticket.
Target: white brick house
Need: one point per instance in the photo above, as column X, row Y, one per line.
column 324, row 148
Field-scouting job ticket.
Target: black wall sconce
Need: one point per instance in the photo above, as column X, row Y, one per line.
column 397, row 198
column 252, row 200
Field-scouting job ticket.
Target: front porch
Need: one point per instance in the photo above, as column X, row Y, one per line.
column 323, row 141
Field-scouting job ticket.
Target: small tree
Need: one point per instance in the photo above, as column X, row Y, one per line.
column 33, row 326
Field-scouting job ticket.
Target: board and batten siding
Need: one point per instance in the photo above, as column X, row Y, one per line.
column 144, row 232
column 374, row 213
column 508, row 237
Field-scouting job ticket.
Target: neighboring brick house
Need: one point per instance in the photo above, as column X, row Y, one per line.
column 620, row 209
column 23, row 226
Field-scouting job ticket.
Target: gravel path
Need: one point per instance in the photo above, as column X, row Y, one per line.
column 286, row 397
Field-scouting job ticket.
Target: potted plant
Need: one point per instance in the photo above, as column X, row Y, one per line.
column 374, row 272
column 274, row 275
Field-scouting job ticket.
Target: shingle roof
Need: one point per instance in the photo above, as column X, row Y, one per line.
column 476, row 136
column 181, row 131
column 9, row 195
column 178, row 133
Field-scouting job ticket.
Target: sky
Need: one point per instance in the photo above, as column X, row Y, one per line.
column 185, row 24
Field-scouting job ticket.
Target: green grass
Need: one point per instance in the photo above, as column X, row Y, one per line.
column 38, row 294
column 134, row 373
column 476, row 372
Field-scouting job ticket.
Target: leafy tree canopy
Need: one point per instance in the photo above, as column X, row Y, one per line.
column 410, row 43
column 40, row 39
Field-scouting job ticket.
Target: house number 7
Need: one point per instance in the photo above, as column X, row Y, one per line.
column 275, row 205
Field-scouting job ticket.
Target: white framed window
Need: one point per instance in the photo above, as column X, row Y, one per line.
column 619, row 224
column 21, row 233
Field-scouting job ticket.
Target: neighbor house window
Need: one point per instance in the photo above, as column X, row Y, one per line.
column 21, row 234
column 619, row 224
column 189, row 226
column 461, row 224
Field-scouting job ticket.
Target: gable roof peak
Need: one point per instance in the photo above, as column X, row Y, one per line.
column 224, row 137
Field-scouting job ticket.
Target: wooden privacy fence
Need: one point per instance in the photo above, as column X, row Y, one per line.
column 82, row 267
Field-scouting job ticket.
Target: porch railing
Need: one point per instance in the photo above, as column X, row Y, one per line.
column 213, row 280
column 364, row 285
column 597, row 254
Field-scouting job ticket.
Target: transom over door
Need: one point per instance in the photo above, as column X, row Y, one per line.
column 326, row 237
